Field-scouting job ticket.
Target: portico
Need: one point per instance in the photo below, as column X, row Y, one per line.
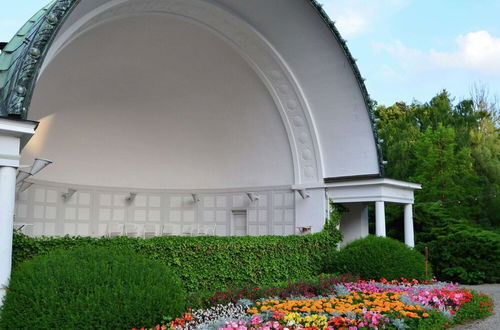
column 378, row 191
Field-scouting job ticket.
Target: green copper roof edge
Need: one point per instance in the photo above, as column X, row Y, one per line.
column 10, row 54
column 361, row 81
column 17, row 94
column 28, row 25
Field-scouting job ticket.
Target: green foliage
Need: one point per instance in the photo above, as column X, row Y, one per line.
column 211, row 262
column 465, row 254
column 379, row 257
column 444, row 167
column 332, row 222
column 479, row 307
column 435, row 321
column 453, row 150
column 90, row 288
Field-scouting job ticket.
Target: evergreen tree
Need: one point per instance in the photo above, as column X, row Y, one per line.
column 446, row 173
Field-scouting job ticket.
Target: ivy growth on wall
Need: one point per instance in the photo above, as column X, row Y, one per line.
column 332, row 222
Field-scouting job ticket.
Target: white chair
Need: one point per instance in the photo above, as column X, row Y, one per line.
column 25, row 228
column 115, row 229
column 131, row 230
column 207, row 230
column 19, row 226
column 149, row 230
column 191, row 230
column 211, row 231
column 167, row 230
column 202, row 230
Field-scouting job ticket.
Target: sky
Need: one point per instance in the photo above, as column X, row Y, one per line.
column 407, row 50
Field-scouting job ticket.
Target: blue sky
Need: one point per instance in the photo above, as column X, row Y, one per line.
column 406, row 49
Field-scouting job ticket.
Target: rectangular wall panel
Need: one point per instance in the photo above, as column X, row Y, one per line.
column 44, row 210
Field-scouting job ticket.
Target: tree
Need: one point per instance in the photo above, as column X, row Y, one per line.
column 453, row 150
column 445, row 170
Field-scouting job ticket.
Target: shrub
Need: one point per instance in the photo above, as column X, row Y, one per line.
column 90, row 288
column 212, row 263
column 465, row 254
column 379, row 257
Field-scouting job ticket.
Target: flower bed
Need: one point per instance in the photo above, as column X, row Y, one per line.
column 351, row 305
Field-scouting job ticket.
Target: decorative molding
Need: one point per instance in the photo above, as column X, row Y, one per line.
column 19, row 91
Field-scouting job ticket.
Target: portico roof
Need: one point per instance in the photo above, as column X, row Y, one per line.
column 357, row 190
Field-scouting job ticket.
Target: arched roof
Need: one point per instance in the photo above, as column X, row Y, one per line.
column 22, row 59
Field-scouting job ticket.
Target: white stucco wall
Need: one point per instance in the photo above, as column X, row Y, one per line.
column 156, row 102
column 354, row 223
column 326, row 79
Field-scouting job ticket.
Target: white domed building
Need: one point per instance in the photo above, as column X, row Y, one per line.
column 186, row 117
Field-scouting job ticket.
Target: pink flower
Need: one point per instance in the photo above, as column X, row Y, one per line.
column 256, row 320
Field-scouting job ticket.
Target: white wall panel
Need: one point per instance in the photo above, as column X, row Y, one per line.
column 90, row 211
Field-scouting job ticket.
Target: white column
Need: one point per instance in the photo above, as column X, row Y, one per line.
column 14, row 134
column 380, row 218
column 409, row 234
column 7, row 200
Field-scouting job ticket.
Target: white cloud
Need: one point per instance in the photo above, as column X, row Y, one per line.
column 352, row 23
column 397, row 49
column 407, row 60
column 387, row 73
column 355, row 17
column 477, row 51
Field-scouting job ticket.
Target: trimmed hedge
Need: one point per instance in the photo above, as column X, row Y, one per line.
column 375, row 257
column 210, row 263
column 467, row 255
column 91, row 288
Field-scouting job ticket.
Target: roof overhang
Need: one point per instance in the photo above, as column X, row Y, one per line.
column 368, row 190
column 14, row 134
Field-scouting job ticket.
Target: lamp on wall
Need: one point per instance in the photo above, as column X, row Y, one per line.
column 252, row 196
column 304, row 230
column 25, row 186
column 195, row 197
column 21, row 176
column 131, row 197
column 39, row 164
column 67, row 195
column 303, row 193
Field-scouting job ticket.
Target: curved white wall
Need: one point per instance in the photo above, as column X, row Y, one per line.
column 157, row 102
column 326, row 79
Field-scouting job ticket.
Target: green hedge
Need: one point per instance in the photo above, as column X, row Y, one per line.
column 467, row 255
column 91, row 288
column 375, row 257
column 212, row 263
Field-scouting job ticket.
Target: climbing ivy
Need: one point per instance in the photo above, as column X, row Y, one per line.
column 332, row 222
